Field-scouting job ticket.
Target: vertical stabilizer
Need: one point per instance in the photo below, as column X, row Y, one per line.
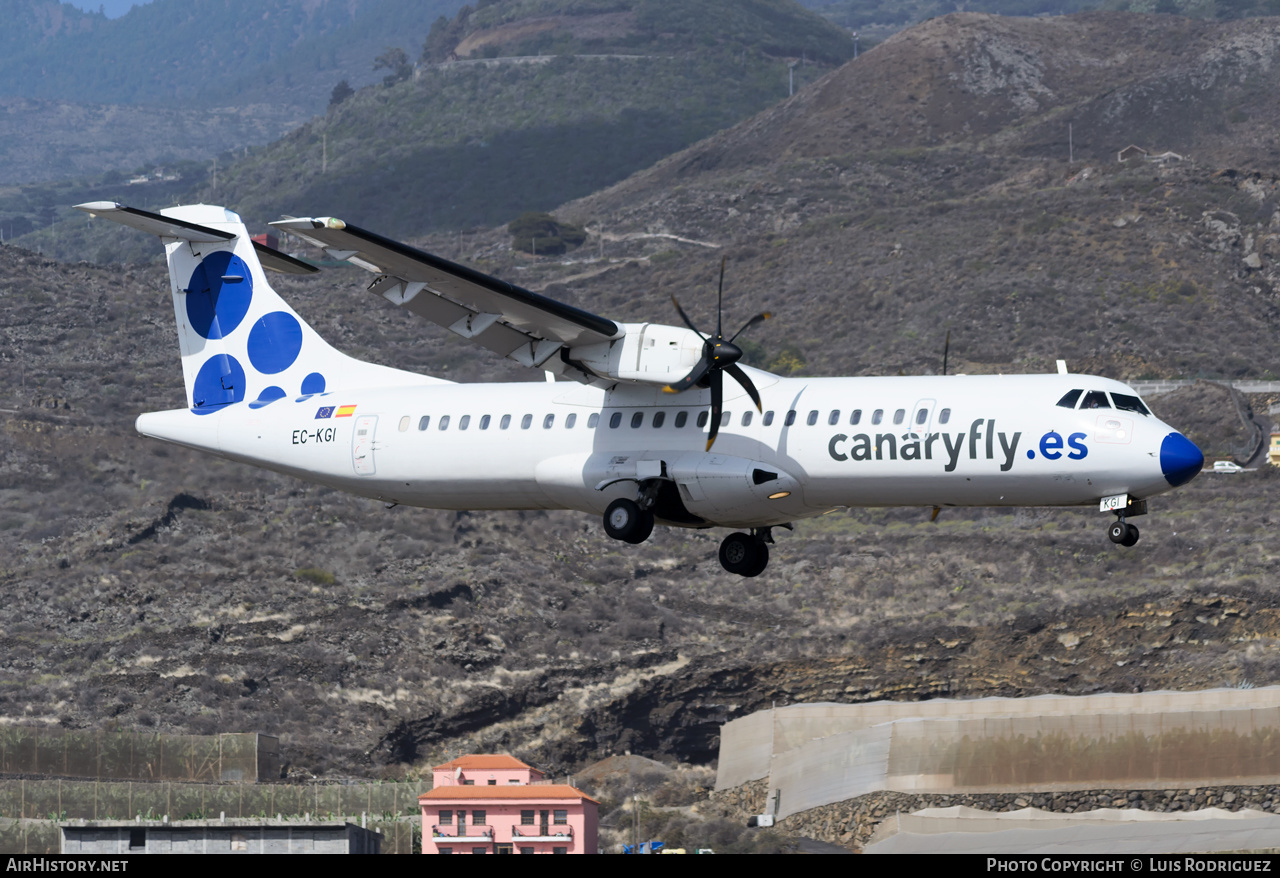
column 239, row 341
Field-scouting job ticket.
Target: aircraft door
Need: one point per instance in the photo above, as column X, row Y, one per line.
column 362, row 444
column 922, row 417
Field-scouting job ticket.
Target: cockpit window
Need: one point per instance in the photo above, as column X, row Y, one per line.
column 1069, row 401
column 1127, row 403
column 1095, row 399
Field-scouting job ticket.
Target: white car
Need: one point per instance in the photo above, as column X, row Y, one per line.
column 1227, row 466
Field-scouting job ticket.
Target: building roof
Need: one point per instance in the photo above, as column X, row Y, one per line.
column 484, row 762
column 520, row 791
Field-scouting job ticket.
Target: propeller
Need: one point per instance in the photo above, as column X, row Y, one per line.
column 719, row 355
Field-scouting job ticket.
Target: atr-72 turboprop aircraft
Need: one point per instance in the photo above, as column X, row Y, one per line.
column 643, row 429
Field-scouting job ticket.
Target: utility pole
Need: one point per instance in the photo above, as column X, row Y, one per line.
column 215, row 173
column 324, row 153
column 791, row 79
column 855, row 45
column 1071, row 146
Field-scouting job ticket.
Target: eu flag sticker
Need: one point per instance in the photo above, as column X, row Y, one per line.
column 325, row 411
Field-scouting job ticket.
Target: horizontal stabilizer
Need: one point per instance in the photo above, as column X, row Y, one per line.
column 154, row 223
column 274, row 260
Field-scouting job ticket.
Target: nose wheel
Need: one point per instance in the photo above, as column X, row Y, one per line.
column 744, row 554
column 1122, row 533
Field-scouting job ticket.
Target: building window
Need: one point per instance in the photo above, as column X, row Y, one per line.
column 479, row 851
column 446, row 818
column 493, row 783
column 424, row 422
column 445, row 850
column 526, row 850
column 526, row 818
column 478, row 817
column 560, row 816
column 559, row 850
column 138, row 840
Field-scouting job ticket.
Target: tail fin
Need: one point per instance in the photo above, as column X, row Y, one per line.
column 239, row 340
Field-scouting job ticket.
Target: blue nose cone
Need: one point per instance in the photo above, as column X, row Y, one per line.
column 1180, row 460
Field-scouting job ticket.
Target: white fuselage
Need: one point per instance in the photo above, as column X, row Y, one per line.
column 939, row 441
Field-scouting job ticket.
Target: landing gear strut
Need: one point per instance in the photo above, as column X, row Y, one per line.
column 745, row 554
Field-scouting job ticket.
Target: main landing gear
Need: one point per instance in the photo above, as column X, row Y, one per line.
column 746, row 554
column 625, row 520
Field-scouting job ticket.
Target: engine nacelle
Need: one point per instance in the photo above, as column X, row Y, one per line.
column 649, row 353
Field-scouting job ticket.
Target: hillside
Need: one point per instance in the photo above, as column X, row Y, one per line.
column 160, row 589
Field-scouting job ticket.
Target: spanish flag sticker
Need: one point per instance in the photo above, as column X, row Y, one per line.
column 345, row 411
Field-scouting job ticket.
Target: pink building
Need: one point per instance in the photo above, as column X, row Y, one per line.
column 490, row 804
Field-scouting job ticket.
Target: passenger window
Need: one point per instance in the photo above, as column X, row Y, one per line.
column 505, row 422
column 944, row 416
column 484, row 422
column 746, row 417
column 855, row 418
column 813, row 418
column 424, row 422
column 592, row 420
column 899, row 416
column 444, row 422
column 526, row 422
column 791, row 418
column 877, row 416
column 404, row 424
column 702, row 419
column 768, row 418
column 921, row 417
column 658, row 419
column 682, row 418
column 834, row 418
column 464, row 422
column 548, row 422
column 1069, row 401
column 569, row 420
column 637, row 419
column 615, row 420
column 724, row 419
column 1095, row 399
column 1126, row 403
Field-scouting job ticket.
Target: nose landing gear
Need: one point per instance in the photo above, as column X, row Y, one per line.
column 1122, row 533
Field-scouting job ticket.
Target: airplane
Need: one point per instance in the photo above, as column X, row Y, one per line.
column 635, row 421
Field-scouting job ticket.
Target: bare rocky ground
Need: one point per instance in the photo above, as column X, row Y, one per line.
column 152, row 587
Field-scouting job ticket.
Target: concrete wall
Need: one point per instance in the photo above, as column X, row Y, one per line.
column 216, row 837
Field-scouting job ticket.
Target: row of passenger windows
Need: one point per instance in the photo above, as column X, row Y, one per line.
column 680, row 420
column 1097, row 399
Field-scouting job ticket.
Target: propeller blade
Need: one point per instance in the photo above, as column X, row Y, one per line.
column 741, row 377
column 720, row 300
column 759, row 318
column 685, row 318
column 699, row 372
column 717, row 403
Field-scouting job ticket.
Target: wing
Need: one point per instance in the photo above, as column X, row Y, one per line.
column 517, row 323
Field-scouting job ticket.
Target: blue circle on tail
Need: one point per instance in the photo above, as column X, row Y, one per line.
column 313, row 383
column 218, row 295
column 275, row 342
column 219, row 382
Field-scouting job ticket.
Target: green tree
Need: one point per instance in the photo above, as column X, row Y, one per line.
column 396, row 61
column 341, row 92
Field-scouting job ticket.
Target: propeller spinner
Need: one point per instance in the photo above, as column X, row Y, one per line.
column 719, row 355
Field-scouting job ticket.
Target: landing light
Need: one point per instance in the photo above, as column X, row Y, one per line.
column 779, row 495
